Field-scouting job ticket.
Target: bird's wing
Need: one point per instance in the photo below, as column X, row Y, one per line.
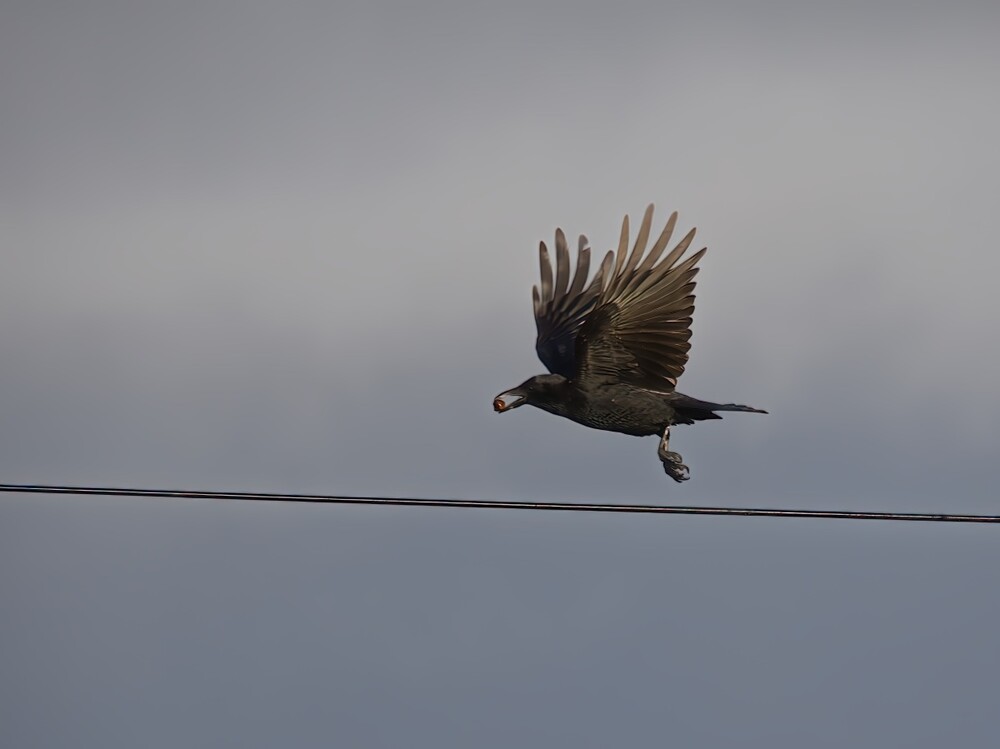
column 561, row 304
column 639, row 329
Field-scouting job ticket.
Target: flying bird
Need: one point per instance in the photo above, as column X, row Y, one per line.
column 616, row 346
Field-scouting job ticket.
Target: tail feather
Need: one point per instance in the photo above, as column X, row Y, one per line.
column 738, row 407
column 690, row 410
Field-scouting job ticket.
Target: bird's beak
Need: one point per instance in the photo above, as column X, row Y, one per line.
column 507, row 401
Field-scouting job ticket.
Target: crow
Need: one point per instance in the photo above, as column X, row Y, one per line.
column 616, row 346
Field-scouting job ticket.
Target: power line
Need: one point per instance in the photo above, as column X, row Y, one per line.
column 485, row 504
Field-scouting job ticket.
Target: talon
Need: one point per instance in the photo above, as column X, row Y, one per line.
column 674, row 468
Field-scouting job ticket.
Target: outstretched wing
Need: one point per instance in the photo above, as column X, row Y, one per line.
column 561, row 306
column 639, row 329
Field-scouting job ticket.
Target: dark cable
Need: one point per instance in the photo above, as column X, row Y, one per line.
column 485, row 504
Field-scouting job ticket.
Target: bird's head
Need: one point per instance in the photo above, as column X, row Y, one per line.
column 539, row 390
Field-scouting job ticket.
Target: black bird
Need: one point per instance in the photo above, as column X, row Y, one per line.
column 616, row 346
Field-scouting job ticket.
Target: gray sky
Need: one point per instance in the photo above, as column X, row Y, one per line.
column 290, row 247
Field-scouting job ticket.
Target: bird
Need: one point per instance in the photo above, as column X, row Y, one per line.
column 615, row 347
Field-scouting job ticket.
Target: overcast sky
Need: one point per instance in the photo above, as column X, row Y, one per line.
column 290, row 247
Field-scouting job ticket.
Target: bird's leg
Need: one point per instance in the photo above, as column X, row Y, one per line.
column 672, row 464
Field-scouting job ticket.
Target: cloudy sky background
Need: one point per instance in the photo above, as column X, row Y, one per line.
column 289, row 247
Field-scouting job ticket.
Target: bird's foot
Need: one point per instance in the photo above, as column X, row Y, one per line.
column 673, row 466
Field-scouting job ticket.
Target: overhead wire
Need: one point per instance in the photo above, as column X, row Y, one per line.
column 490, row 504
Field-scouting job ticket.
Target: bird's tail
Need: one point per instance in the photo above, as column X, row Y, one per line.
column 736, row 407
column 690, row 409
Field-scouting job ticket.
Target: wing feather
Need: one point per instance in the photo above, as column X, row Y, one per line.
column 582, row 267
column 563, row 302
column 639, row 328
column 562, row 264
column 545, row 267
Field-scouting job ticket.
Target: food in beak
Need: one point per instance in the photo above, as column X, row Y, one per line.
column 506, row 401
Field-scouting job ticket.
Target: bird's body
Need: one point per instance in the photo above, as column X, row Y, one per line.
column 638, row 412
column 616, row 346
